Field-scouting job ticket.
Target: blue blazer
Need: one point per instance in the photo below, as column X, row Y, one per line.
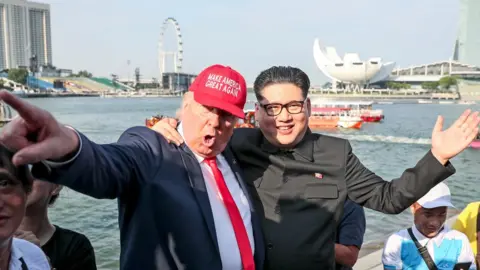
column 165, row 217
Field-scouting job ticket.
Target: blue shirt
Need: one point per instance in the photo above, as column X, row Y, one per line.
column 351, row 229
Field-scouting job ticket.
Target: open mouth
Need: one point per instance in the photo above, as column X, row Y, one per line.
column 4, row 219
column 285, row 130
column 208, row 140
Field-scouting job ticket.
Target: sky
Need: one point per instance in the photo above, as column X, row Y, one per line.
column 101, row 36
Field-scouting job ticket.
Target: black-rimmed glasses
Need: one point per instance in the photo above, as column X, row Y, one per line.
column 274, row 109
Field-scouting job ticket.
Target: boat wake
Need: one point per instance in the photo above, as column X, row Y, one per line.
column 385, row 139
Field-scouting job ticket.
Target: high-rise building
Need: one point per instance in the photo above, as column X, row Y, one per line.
column 24, row 31
column 468, row 40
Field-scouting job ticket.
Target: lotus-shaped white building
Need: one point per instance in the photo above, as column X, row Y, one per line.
column 350, row 69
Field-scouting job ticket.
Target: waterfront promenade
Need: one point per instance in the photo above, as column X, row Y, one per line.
column 401, row 96
column 382, row 96
column 56, row 95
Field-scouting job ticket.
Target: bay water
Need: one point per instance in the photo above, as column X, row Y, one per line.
column 386, row 148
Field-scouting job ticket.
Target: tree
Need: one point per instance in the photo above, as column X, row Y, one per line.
column 398, row 86
column 405, row 86
column 447, row 82
column 430, row 85
column 18, row 75
column 82, row 73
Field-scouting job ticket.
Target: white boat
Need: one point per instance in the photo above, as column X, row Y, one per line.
column 446, row 102
column 466, row 102
column 425, row 101
column 347, row 121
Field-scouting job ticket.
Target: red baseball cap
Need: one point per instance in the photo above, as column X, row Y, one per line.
column 221, row 87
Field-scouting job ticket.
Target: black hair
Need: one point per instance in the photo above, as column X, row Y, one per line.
column 281, row 74
column 53, row 199
column 21, row 173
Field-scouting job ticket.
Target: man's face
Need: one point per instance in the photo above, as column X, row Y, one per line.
column 281, row 127
column 207, row 130
column 430, row 221
column 12, row 204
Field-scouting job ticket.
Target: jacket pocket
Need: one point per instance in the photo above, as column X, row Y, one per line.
column 316, row 191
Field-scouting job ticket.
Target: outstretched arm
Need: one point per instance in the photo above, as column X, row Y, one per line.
column 366, row 188
column 108, row 170
column 393, row 197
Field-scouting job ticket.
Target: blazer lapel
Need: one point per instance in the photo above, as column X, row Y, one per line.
column 200, row 190
column 256, row 222
column 236, row 171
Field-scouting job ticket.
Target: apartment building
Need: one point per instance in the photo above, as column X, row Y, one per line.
column 24, row 31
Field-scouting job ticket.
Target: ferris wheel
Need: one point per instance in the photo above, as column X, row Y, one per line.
column 178, row 54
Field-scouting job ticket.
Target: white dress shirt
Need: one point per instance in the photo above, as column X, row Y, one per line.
column 32, row 255
column 227, row 243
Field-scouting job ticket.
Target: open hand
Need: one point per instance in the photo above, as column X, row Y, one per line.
column 35, row 135
column 448, row 143
column 166, row 127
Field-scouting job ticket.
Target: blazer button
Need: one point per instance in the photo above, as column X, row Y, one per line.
column 269, row 245
column 277, row 209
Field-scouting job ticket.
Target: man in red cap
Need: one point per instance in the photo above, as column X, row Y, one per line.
column 179, row 206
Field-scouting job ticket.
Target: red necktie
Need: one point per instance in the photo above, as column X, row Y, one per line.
column 237, row 221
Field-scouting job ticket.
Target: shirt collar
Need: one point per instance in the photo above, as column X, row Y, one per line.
column 15, row 256
column 180, row 131
column 304, row 148
column 437, row 239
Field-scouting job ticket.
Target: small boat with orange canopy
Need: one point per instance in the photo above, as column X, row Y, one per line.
column 333, row 118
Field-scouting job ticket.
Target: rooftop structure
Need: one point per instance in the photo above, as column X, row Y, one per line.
column 435, row 71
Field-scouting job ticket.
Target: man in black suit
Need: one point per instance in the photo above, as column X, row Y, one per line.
column 183, row 207
column 300, row 180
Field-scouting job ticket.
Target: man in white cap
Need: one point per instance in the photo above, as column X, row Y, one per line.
column 429, row 244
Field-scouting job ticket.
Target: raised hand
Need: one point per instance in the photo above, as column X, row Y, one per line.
column 166, row 127
column 35, row 135
column 448, row 143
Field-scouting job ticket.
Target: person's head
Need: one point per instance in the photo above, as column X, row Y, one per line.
column 283, row 108
column 211, row 109
column 43, row 195
column 15, row 184
column 430, row 211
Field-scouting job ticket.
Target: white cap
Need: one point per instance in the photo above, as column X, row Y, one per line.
column 438, row 196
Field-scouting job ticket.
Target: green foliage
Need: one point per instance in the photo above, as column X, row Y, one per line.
column 83, row 73
column 18, row 75
column 430, row 85
column 398, row 86
column 447, row 82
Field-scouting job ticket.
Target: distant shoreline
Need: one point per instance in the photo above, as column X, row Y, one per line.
column 54, row 95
